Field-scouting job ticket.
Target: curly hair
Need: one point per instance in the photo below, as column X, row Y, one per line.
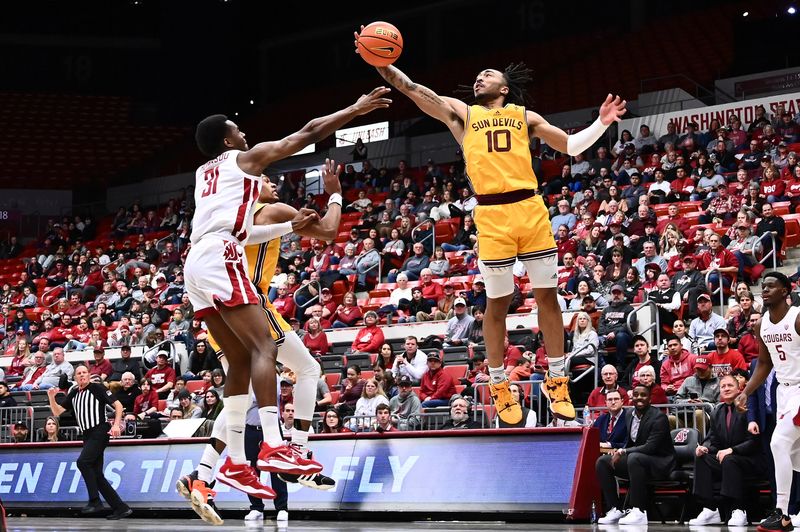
column 517, row 76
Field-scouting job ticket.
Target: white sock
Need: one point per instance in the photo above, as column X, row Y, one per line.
column 236, row 405
column 207, row 463
column 269, row 425
column 300, row 437
column 555, row 366
column 497, row 375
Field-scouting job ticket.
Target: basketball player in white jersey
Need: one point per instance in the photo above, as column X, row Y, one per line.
column 778, row 335
column 227, row 188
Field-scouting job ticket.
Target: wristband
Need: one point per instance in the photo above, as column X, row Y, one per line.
column 335, row 198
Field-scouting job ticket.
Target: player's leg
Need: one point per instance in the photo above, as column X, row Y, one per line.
column 783, row 443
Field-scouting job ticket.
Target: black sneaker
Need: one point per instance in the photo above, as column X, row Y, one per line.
column 184, row 485
column 119, row 514
column 315, row 481
column 775, row 522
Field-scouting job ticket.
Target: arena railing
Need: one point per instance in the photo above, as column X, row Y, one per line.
column 307, row 288
column 720, row 289
column 10, row 415
column 378, row 265
column 433, row 420
column 772, row 254
column 179, row 360
column 591, row 357
column 654, row 325
column 432, row 236
column 681, row 415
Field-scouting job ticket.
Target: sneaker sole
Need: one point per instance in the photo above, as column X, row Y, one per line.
column 314, row 485
column 274, row 466
column 207, row 514
column 181, row 488
column 245, row 488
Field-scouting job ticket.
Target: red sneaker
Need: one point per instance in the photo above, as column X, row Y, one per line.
column 286, row 459
column 243, row 478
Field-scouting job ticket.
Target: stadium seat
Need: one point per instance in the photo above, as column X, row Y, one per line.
column 458, row 372
column 195, row 386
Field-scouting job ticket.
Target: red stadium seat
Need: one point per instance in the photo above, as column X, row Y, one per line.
column 194, row 386
column 458, row 372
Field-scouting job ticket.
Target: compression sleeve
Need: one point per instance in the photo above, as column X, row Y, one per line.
column 265, row 233
column 582, row 140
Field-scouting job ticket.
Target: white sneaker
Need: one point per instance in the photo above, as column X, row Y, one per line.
column 611, row 517
column 254, row 515
column 707, row 517
column 795, row 520
column 283, row 516
column 634, row 517
column 738, row 518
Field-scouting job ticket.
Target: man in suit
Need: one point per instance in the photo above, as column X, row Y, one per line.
column 612, row 424
column 647, row 455
column 729, row 453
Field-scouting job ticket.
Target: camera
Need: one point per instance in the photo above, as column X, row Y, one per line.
column 130, row 429
column 693, row 395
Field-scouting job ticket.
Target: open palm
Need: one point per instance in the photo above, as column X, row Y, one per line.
column 612, row 110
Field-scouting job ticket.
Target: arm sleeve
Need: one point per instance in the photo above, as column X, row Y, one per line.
column 265, row 233
column 582, row 140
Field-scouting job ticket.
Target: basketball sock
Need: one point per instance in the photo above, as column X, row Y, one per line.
column 555, row 366
column 300, row 437
column 497, row 375
column 236, row 405
column 207, row 464
column 269, row 425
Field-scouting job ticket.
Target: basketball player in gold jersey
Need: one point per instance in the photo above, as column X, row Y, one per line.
column 511, row 219
column 262, row 259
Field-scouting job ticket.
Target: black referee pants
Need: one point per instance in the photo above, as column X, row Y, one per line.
column 90, row 464
column 253, row 436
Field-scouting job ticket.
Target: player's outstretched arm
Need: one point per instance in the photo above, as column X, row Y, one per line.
column 325, row 228
column 445, row 109
column 264, row 232
column 612, row 110
column 263, row 154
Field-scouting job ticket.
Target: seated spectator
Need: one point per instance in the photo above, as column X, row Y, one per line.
column 126, row 364
column 701, row 389
column 99, row 365
column 146, row 403
column 528, row 416
column 188, row 409
column 641, row 350
column 400, row 296
column 460, row 415
column 647, row 455
column 646, row 376
column 33, row 373
column 323, row 399
column 383, row 419
column 676, row 367
column 748, row 345
column 52, row 430
column 523, row 369
column 348, row 313
column 370, row 337
column 202, row 357
column 707, row 321
column 444, row 306
column 332, row 422
column 583, row 337
column 609, row 375
column 6, row 399
column 212, row 405
column 57, row 370
column 477, row 294
column 352, row 388
column 127, row 392
column 317, row 311
column 284, row 303
column 413, row 265
column 412, row 362
column 315, row 339
column 613, row 327
column 371, row 396
column 405, row 406
column 436, row 387
column 19, row 432
column 162, row 376
column 458, row 326
column 613, row 425
column 723, row 359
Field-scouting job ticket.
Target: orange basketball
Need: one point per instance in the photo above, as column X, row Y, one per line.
column 380, row 44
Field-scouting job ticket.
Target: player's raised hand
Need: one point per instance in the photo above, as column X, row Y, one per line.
column 304, row 218
column 374, row 100
column 612, row 110
column 330, row 177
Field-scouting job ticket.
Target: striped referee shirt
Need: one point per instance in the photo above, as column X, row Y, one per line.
column 88, row 404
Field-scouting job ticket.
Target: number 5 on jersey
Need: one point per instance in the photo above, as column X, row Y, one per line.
column 781, row 352
column 210, row 177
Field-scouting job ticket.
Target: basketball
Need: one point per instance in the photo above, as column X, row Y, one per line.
column 380, row 44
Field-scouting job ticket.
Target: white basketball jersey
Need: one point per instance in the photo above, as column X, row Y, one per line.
column 224, row 199
column 783, row 344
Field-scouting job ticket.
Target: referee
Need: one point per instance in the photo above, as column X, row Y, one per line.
column 88, row 402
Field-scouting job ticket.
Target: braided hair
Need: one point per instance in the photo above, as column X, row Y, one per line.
column 516, row 76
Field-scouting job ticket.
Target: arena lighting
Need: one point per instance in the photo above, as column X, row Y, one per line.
column 252, row 102
column 745, row 13
column 791, row 10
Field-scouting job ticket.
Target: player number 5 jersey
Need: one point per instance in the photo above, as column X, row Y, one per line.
column 224, row 198
column 783, row 344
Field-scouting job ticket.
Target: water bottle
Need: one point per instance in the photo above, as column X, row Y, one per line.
column 587, row 416
column 593, row 515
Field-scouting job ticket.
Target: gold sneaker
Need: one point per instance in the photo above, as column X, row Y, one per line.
column 556, row 389
column 507, row 407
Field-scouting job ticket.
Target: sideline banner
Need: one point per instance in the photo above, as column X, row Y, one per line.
column 479, row 471
column 745, row 110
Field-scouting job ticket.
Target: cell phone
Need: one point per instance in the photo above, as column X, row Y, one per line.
column 693, row 395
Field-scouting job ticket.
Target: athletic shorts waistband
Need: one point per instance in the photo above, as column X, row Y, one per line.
column 504, row 198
